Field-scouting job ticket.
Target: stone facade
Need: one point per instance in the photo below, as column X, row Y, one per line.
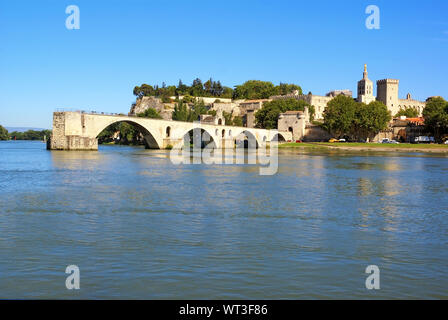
column 315, row 133
column 319, row 103
column 293, row 122
column 387, row 93
column 249, row 119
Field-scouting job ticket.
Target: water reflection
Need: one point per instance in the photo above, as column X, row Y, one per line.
column 141, row 227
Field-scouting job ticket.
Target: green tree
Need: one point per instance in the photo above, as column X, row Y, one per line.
column 267, row 116
column 3, row 133
column 254, row 89
column 227, row 93
column 312, row 112
column 106, row 136
column 408, row 112
column 129, row 134
column 197, row 88
column 285, row 88
column 15, row 135
column 181, row 89
column 227, row 118
column 237, row 121
column 144, row 90
column 370, row 120
column 180, row 112
column 436, row 116
column 30, row 135
column 339, row 115
column 150, row 113
column 197, row 109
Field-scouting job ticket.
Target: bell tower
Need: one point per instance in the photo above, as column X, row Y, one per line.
column 365, row 88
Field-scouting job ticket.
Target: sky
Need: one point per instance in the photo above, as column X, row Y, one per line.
column 320, row 45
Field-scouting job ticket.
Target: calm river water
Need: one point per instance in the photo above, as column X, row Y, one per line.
column 140, row 227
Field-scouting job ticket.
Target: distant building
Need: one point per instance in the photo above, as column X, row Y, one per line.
column 248, row 108
column 335, row 93
column 213, row 120
column 319, row 102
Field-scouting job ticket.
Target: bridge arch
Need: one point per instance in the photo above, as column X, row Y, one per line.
column 248, row 139
column 150, row 137
column 279, row 137
column 205, row 133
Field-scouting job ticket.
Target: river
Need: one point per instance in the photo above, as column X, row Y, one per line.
column 140, row 227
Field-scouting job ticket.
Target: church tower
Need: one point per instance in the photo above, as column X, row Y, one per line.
column 365, row 88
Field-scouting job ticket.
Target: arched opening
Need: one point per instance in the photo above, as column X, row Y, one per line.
column 219, row 121
column 198, row 138
column 290, row 129
column 246, row 140
column 127, row 133
column 223, row 133
column 279, row 138
column 168, row 132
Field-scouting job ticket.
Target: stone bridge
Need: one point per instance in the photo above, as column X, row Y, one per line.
column 79, row 131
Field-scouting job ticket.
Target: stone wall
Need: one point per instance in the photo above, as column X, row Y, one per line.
column 314, row 133
column 293, row 122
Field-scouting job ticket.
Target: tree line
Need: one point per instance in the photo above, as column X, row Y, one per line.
column 252, row 89
column 27, row 135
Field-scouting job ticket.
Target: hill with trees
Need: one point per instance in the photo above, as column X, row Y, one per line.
column 252, row 89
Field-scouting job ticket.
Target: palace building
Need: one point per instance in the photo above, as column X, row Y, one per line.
column 387, row 93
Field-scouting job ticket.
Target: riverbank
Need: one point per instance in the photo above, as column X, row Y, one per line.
column 381, row 147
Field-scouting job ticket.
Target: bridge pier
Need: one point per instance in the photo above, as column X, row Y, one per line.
column 67, row 136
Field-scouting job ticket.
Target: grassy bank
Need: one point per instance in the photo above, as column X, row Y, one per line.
column 404, row 147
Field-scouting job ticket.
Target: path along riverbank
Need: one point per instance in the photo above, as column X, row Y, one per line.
column 381, row 147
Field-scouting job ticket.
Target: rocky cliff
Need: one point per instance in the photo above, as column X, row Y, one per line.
column 165, row 109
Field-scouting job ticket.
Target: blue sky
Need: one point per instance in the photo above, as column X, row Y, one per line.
column 320, row 45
